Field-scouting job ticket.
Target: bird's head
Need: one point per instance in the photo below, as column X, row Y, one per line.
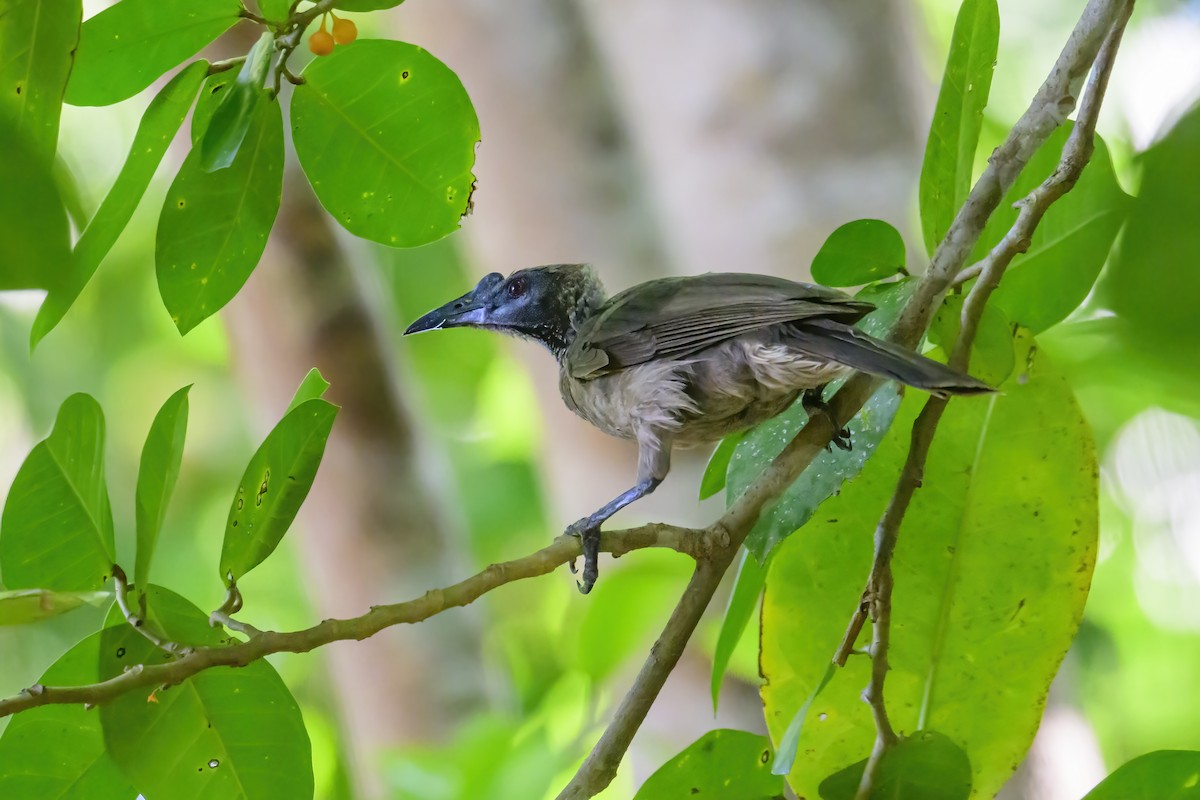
column 543, row 303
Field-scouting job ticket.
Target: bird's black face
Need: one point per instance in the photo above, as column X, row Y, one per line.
column 534, row 302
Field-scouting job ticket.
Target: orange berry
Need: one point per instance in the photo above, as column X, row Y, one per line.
column 321, row 43
column 344, row 31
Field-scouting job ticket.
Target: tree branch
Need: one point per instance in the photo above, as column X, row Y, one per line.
column 878, row 595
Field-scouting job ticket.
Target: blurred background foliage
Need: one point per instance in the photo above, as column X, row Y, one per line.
column 598, row 170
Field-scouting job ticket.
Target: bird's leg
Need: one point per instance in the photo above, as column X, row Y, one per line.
column 588, row 530
column 813, row 401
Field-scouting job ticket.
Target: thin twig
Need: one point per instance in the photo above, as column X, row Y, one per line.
column 226, row 64
column 137, row 619
column 1075, row 155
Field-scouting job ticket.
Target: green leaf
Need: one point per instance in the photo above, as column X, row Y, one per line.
column 276, row 10
column 157, row 473
column 57, row 527
column 57, row 751
column 1162, row 775
column 232, row 117
column 991, row 573
column 958, row 118
column 234, row 734
column 789, row 743
column 312, row 387
column 720, row 765
column 1153, row 277
column 713, row 479
column 992, row 352
column 1049, row 281
column 747, row 587
column 274, row 486
column 38, row 39
column 386, row 135
column 33, row 221
column 924, row 766
column 831, row 468
column 155, row 132
column 214, row 225
column 125, row 47
column 31, row 605
column 859, row 252
column 367, row 5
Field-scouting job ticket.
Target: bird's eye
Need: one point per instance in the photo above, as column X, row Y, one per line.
column 517, row 287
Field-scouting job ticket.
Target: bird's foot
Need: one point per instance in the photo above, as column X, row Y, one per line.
column 813, row 401
column 588, row 532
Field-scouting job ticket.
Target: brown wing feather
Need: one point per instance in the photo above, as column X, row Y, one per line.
column 677, row 317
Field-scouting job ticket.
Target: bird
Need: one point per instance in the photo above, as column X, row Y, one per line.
column 686, row 360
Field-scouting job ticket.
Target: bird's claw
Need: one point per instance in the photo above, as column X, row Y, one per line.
column 589, row 537
column 814, row 403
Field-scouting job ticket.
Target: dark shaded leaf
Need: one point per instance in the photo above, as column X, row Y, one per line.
column 924, row 766
column 33, row 221
column 1161, row 775
column 720, row 765
column 859, row 252
column 37, row 40
column 232, row 117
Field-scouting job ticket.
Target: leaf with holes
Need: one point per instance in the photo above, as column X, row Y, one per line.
column 232, row 118
column 129, row 44
column 155, row 132
column 720, row 765
column 57, row 527
column 958, row 118
column 38, row 39
column 386, row 135
column 274, row 486
column 214, row 225
column 235, row 734
column 991, row 571
column 77, row 766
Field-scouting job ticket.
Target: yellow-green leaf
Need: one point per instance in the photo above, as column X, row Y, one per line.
column 37, row 46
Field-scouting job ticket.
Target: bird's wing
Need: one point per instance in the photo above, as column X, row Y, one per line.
column 676, row 317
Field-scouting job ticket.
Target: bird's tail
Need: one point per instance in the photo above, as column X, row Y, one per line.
column 850, row 346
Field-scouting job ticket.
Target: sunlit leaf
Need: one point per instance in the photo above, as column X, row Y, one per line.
column 312, row 387
column 991, row 573
column 992, row 352
column 57, row 751
column 1162, row 775
column 958, row 118
column 720, row 765
column 129, row 44
column 214, row 225
column 232, row 117
column 924, row 766
column 859, row 252
column 234, row 734
column 157, row 473
column 57, row 527
column 275, row 483
column 31, row 605
column 37, row 40
column 747, row 588
column 789, row 742
column 386, row 135
column 33, row 222
column 154, row 134
column 1050, row 280
column 830, row 469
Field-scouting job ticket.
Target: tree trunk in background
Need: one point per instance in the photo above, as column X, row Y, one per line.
column 370, row 531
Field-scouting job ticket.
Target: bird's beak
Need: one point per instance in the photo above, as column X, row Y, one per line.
column 464, row 311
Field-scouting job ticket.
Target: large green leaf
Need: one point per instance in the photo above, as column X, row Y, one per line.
column 57, row 527
column 232, row 117
column 830, row 469
column 56, row 752
column 720, row 765
column 1070, row 244
column 275, row 10
column 1153, row 280
column 1162, row 775
column 158, row 127
column 214, row 225
column 234, row 734
column 129, row 44
column 367, row 5
column 32, row 605
column 743, row 600
column 386, row 134
column 859, row 252
column 33, row 221
column 274, row 486
column 992, row 350
column 991, row 574
column 37, row 43
column 157, row 473
column 958, row 118
column 924, row 766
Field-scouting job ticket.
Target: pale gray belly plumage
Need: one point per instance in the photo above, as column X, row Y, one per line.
column 730, row 387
